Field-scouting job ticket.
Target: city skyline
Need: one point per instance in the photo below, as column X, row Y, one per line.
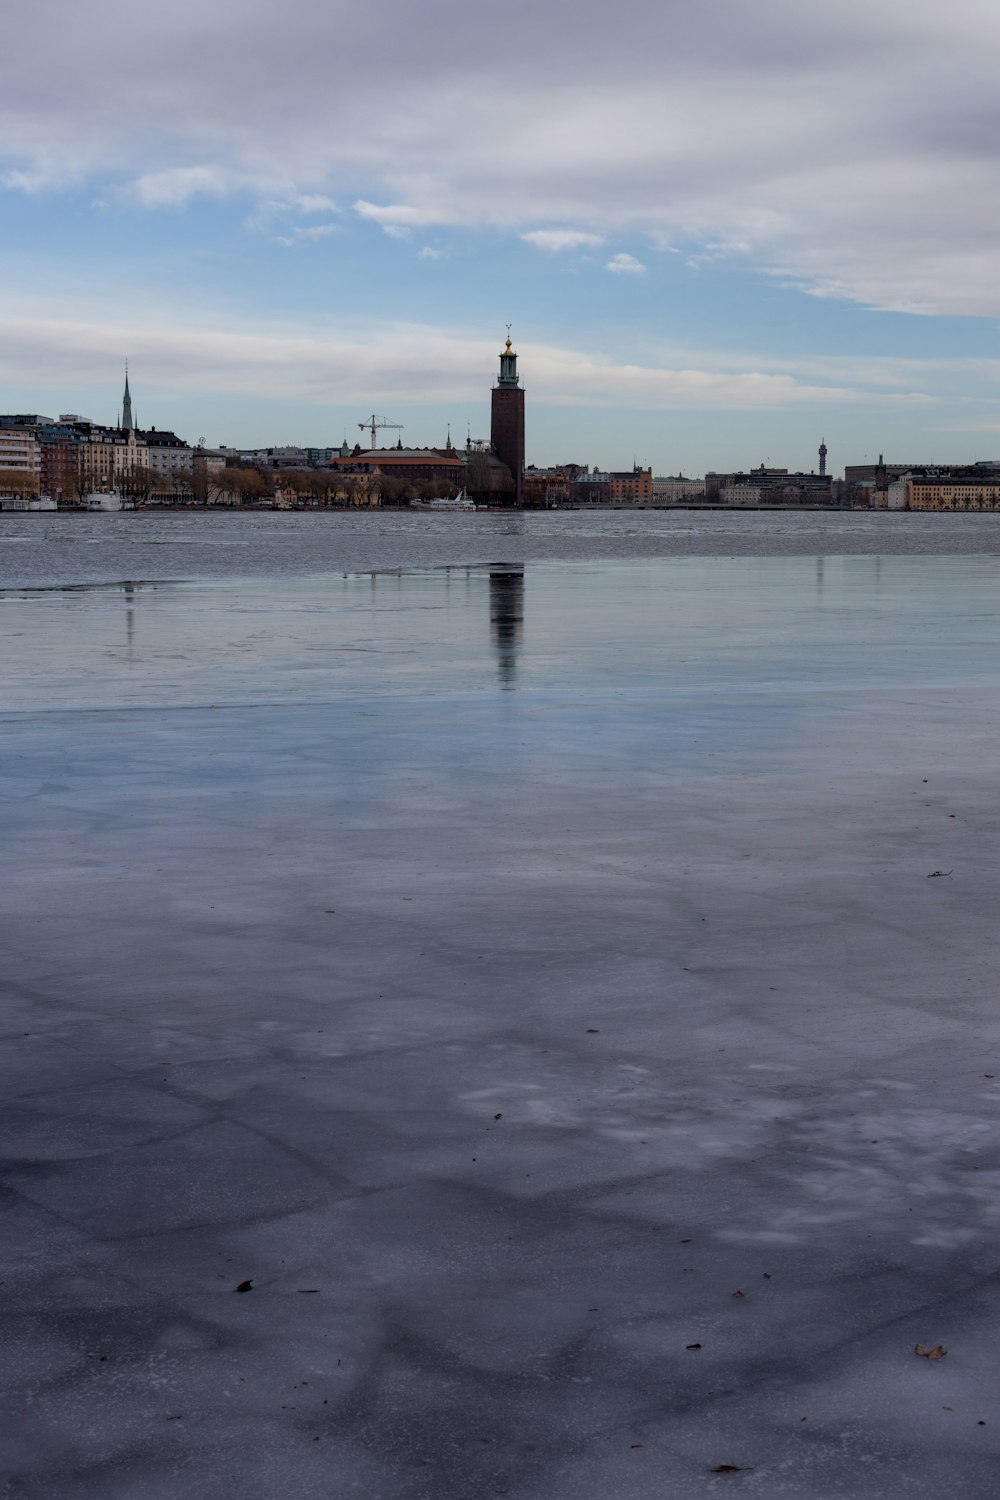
column 720, row 238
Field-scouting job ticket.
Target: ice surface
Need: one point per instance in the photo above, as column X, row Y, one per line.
column 43, row 548
column 502, row 970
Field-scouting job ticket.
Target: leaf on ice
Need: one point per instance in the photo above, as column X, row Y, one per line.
column 930, row 1351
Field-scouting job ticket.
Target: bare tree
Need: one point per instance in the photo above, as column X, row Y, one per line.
column 135, row 484
column 18, row 484
column 183, row 483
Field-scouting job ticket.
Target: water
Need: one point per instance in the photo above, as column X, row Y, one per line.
column 42, row 549
column 503, row 964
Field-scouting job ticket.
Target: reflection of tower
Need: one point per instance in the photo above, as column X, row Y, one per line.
column 507, row 618
column 129, row 615
column 507, row 420
column 822, row 457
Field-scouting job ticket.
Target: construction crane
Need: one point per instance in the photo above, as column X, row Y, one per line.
column 373, row 423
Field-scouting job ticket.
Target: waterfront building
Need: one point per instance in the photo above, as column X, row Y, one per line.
column 774, row 487
column 591, row 488
column 413, row 465
column 715, row 482
column 20, row 461
column 109, row 456
column 631, row 486
column 59, row 450
column 674, row 489
column 542, row 488
column 870, row 473
column 171, row 464
column 975, row 488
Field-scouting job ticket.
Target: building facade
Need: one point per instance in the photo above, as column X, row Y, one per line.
column 171, row 463
column 111, row 458
column 774, row 487
column 412, row 465
column 59, row 448
column 631, row 486
column 957, row 489
column 544, row 488
column 20, row 461
column 674, row 489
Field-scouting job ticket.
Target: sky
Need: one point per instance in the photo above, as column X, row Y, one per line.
column 721, row 232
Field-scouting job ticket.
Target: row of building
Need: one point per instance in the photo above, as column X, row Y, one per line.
column 70, row 459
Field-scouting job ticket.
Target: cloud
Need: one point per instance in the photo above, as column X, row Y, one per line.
column 398, row 220
column 427, row 252
column 314, row 203
column 848, row 151
column 302, row 236
column 175, row 187
column 623, row 264
column 557, row 240
column 416, row 363
column 17, row 181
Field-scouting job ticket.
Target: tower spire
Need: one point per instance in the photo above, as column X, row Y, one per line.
column 508, row 363
column 127, row 422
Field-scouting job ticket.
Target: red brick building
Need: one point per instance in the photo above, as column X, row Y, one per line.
column 507, row 421
column 60, row 463
column 414, row 465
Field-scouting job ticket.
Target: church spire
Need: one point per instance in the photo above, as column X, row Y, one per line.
column 127, row 422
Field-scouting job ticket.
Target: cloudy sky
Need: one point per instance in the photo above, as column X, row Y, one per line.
column 721, row 231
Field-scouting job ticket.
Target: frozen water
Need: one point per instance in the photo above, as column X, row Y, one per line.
column 502, row 968
column 45, row 548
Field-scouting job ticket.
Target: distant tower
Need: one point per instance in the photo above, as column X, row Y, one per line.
column 507, row 420
column 822, row 457
column 127, row 422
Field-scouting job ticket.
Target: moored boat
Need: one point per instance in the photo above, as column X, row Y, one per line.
column 460, row 502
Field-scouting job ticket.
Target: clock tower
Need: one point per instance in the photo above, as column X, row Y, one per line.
column 507, row 420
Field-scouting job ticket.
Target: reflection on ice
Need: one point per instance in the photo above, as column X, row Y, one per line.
column 507, row 619
column 499, row 1038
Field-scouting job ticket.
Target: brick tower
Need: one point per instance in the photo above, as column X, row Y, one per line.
column 507, row 421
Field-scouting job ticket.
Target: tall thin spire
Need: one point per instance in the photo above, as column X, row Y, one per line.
column 127, row 423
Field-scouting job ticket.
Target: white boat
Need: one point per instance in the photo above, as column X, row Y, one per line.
column 106, row 500
column 25, row 502
column 460, row 502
